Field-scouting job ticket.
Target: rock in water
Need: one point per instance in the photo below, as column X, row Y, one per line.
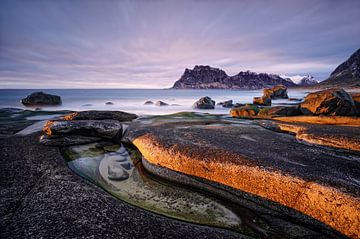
column 40, row 98
column 328, row 102
column 109, row 103
column 226, row 104
column 108, row 129
column 204, row 103
column 280, row 111
column 100, row 115
column 277, row 92
column 116, row 172
column 149, row 102
column 161, row 103
column 262, row 101
column 244, row 111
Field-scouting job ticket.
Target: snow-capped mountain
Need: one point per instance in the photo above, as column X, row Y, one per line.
column 302, row 80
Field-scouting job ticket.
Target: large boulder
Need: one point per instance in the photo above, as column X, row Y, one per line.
column 244, row 111
column 204, row 103
column 108, row 129
column 226, row 104
column 277, row 92
column 41, row 98
column 328, row 102
column 67, row 140
column 262, row 101
column 280, row 111
column 100, row 115
column 161, row 103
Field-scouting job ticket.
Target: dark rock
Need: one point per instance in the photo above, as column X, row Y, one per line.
column 40, row 98
column 87, row 105
column 238, row 105
column 149, row 102
column 328, row 102
column 244, row 111
column 204, row 103
column 109, row 129
column 277, row 92
column 100, row 115
column 356, row 99
column 280, row 111
column 109, row 103
column 161, row 103
column 262, row 101
column 67, row 140
column 295, row 99
column 206, row 77
column 226, row 104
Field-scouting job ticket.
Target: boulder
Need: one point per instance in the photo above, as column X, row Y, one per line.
column 226, row 104
column 328, row 102
column 67, row 140
column 109, row 129
column 262, row 101
column 204, row 103
column 40, row 98
column 277, row 92
column 244, row 111
column 149, row 102
column 161, row 103
column 100, row 115
column 280, row 111
column 109, row 103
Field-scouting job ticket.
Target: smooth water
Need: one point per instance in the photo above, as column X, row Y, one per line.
column 132, row 100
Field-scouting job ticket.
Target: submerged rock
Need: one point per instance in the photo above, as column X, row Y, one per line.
column 277, row 92
column 149, row 102
column 110, row 129
column 204, row 103
column 328, row 102
column 116, row 172
column 109, row 103
column 41, row 98
column 161, row 103
column 226, row 104
column 262, row 101
column 100, row 115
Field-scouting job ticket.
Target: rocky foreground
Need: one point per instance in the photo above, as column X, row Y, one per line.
column 298, row 174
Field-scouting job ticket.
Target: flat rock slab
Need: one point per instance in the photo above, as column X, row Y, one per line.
column 101, row 115
column 42, row 198
column 321, row 182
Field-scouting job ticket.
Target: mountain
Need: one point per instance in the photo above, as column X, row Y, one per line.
column 206, row 77
column 346, row 74
column 301, row 80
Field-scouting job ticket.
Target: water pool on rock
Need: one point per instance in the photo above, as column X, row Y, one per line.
column 111, row 167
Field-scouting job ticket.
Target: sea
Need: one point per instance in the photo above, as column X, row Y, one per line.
column 132, row 100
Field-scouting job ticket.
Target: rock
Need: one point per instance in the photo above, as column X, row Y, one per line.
column 328, row 102
column 204, row 103
column 262, row 101
column 149, row 102
column 238, row 105
column 280, row 111
column 295, row 99
column 226, row 104
column 206, row 77
column 116, row 172
column 244, row 111
column 356, row 99
column 161, row 103
column 277, row 92
column 109, row 129
column 86, row 105
column 67, row 140
column 109, row 103
column 40, row 98
column 100, row 115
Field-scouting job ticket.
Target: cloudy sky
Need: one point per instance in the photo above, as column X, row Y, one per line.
column 148, row 44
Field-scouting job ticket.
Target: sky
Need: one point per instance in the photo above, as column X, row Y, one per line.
column 148, row 44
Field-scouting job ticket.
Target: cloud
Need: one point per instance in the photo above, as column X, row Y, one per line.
column 148, row 44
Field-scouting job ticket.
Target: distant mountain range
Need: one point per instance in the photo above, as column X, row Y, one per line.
column 205, row 77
